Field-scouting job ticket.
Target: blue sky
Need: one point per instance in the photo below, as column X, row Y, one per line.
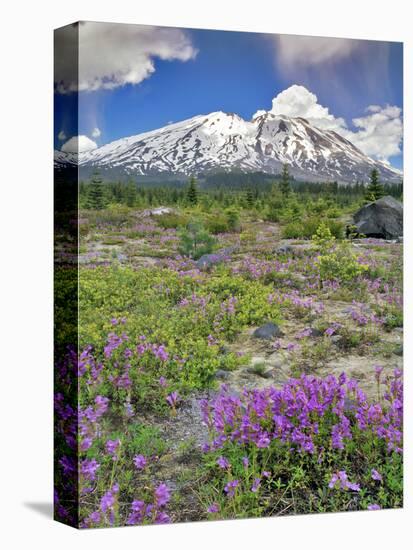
column 235, row 72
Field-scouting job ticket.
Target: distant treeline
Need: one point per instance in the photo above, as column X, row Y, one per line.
column 245, row 190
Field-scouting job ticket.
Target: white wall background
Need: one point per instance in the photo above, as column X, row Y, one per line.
column 26, row 270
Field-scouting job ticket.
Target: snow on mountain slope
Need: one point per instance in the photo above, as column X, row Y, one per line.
column 225, row 142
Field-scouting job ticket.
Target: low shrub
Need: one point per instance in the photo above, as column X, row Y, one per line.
column 335, row 261
column 172, row 220
column 307, row 228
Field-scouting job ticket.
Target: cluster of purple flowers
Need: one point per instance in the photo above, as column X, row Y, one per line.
column 361, row 315
column 88, row 418
column 255, row 268
column 112, row 447
column 88, row 468
column 296, row 300
column 146, row 229
column 142, row 512
column 184, row 267
column 113, row 342
column 340, row 480
column 294, row 414
column 288, row 346
column 196, row 300
column 157, row 350
column 108, row 503
column 87, row 363
column 231, row 487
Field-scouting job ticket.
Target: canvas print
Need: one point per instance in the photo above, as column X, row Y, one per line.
column 228, row 275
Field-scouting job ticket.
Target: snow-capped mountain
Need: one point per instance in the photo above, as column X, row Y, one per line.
column 223, row 142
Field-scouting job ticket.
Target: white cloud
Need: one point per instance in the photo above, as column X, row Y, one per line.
column 112, row 55
column 297, row 101
column 79, row 144
column 61, row 136
column 313, row 50
column 96, row 133
column 378, row 134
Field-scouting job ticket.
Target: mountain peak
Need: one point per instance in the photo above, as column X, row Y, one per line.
column 221, row 141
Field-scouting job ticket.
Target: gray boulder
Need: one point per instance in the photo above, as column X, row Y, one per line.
column 381, row 219
column 268, row 331
column 160, row 211
column 316, row 333
column 209, row 260
column 398, row 350
column 284, row 249
column 222, row 374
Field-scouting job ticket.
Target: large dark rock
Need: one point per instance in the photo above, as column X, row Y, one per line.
column 267, row 331
column 381, row 219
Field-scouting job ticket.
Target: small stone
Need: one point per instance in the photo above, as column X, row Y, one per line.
column 284, row 249
column 267, row 374
column 316, row 333
column 268, row 331
column 208, row 260
column 261, row 373
column 398, row 350
column 336, row 339
column 222, row 374
column 251, row 370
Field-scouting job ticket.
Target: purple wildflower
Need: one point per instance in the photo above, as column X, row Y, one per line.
column 162, row 494
column 88, row 469
column 94, row 517
column 339, row 480
column 172, row 399
column 223, row 463
column 112, row 446
column 376, row 475
column 139, row 461
column 213, row 509
column 263, row 441
column 230, row 488
column 256, row 484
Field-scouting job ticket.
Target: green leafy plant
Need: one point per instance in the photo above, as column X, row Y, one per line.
column 195, row 241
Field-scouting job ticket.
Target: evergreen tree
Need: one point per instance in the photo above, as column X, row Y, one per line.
column 375, row 189
column 249, row 198
column 131, row 194
column 233, row 219
column 285, row 181
column 196, row 241
column 96, row 199
column 192, row 194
